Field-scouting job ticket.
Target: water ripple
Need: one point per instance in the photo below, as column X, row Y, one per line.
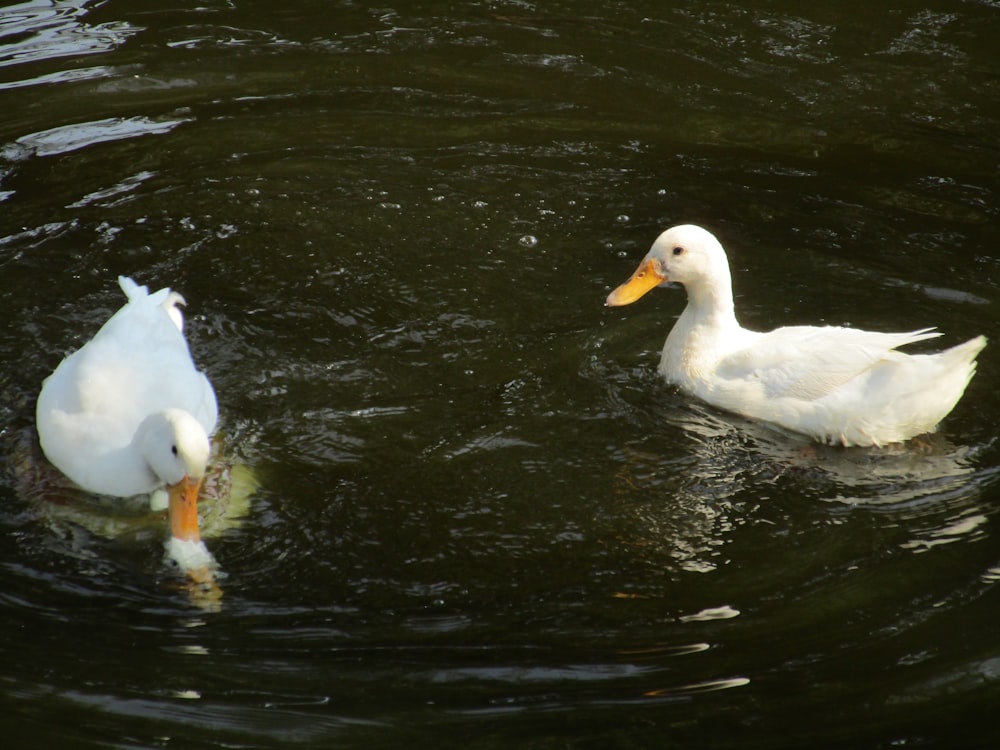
column 38, row 31
column 66, row 138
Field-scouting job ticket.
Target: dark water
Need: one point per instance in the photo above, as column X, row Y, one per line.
column 482, row 521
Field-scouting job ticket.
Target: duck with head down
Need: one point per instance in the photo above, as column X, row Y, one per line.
column 834, row 384
column 129, row 414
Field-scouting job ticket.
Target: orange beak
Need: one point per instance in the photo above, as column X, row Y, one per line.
column 184, row 509
column 645, row 278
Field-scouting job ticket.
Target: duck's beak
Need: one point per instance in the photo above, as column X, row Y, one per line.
column 184, row 509
column 645, row 278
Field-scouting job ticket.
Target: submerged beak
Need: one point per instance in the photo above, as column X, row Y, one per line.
column 645, row 278
column 184, row 509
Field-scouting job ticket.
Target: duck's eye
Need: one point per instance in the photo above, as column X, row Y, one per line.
column 678, row 250
column 173, row 449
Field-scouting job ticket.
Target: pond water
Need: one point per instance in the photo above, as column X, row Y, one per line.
column 481, row 520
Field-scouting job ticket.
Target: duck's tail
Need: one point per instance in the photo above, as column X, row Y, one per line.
column 165, row 298
column 947, row 374
column 961, row 360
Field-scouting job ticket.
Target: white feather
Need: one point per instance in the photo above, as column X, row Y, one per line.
column 128, row 413
column 837, row 385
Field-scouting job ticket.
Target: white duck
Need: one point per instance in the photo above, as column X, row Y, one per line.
column 128, row 414
column 836, row 385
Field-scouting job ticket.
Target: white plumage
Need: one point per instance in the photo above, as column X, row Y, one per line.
column 836, row 385
column 128, row 413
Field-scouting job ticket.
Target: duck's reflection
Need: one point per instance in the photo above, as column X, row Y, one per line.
column 687, row 500
column 131, row 522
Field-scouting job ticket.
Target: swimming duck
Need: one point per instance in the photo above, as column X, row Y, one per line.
column 129, row 414
column 834, row 384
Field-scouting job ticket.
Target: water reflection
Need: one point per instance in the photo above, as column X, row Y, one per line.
column 42, row 31
column 686, row 507
column 112, row 195
column 88, row 527
column 65, row 138
column 63, row 76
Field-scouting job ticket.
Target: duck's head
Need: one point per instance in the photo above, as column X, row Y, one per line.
column 176, row 448
column 685, row 254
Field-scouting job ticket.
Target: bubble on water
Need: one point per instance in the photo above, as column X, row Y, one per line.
column 528, row 240
column 480, row 204
column 623, row 218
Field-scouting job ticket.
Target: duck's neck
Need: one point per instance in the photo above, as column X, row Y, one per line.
column 710, row 302
column 702, row 334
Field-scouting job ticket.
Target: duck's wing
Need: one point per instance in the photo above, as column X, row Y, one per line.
column 808, row 363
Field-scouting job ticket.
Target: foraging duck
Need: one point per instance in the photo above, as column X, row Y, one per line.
column 129, row 414
column 834, row 384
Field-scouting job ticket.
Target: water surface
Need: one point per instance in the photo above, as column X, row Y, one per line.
column 482, row 520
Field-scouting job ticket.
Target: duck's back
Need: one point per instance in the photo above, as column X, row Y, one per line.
column 837, row 385
column 137, row 364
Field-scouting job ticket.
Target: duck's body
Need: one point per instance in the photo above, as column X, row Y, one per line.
column 836, row 385
column 128, row 413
